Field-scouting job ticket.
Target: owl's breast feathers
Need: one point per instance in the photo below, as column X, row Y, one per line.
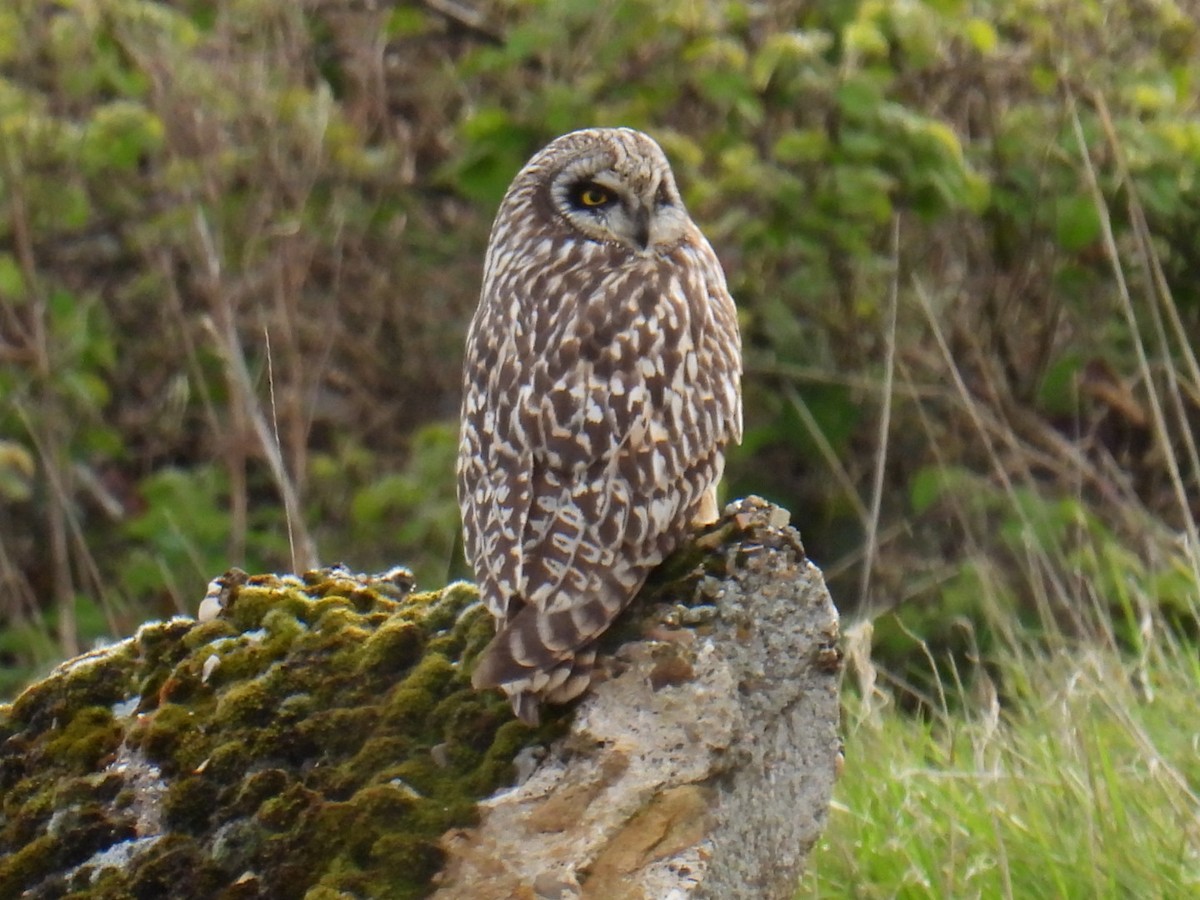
column 595, row 465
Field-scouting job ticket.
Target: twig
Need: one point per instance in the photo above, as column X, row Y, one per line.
column 466, row 17
column 885, row 417
column 242, row 387
column 278, row 450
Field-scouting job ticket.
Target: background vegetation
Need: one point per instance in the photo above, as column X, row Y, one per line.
column 240, row 242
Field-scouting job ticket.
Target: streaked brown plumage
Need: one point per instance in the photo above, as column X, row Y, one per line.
column 601, row 387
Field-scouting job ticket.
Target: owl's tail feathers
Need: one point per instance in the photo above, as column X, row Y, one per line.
column 563, row 683
column 530, row 646
column 526, row 707
column 543, row 655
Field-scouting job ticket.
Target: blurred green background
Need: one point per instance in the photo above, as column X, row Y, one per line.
column 240, row 242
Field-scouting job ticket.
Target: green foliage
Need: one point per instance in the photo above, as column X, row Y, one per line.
column 25, row 648
column 1077, row 782
column 1035, row 564
column 181, row 537
column 421, row 500
column 29, row 645
column 222, row 215
column 214, row 215
column 161, row 170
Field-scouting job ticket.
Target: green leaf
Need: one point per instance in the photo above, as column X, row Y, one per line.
column 789, row 47
column 405, row 21
column 864, row 191
column 859, row 98
column 1057, row 393
column 1077, row 223
column 932, row 483
column 17, row 469
column 801, row 146
column 10, row 35
column 982, row 35
column 118, row 136
column 86, row 387
column 866, row 38
column 924, row 489
column 12, row 282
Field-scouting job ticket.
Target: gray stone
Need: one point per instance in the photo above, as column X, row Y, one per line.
column 704, row 767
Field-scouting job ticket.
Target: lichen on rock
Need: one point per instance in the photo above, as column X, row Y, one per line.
column 317, row 737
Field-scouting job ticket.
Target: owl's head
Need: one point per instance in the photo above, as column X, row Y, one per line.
column 612, row 185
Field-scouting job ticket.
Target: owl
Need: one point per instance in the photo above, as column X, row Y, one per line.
column 602, row 385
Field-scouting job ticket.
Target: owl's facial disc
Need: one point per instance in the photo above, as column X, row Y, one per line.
column 641, row 210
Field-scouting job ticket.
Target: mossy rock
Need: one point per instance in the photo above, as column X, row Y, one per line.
column 313, row 738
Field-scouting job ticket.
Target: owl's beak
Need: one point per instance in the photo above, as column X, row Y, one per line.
column 641, row 227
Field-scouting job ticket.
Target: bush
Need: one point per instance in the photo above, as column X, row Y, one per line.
column 241, row 242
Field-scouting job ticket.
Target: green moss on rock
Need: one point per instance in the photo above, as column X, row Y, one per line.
column 90, row 736
column 314, row 739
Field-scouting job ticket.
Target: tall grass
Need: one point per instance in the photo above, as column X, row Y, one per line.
column 1080, row 777
column 1063, row 760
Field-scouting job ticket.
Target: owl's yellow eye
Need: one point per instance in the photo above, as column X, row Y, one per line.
column 591, row 195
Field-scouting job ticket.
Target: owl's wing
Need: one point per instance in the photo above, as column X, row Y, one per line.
column 633, row 416
column 495, row 456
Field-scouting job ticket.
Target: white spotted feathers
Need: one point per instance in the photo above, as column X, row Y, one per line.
column 601, row 387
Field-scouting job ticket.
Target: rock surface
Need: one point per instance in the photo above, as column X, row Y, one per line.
column 703, row 768
column 317, row 737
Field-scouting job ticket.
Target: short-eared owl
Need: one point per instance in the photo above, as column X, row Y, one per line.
column 601, row 388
